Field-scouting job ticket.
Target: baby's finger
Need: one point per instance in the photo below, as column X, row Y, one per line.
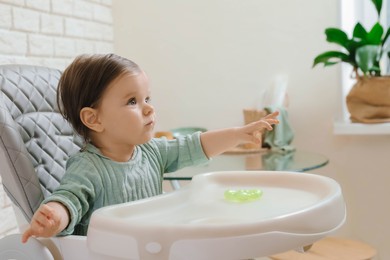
column 273, row 121
column 46, row 211
column 26, row 235
column 44, row 223
column 272, row 115
column 41, row 222
column 265, row 124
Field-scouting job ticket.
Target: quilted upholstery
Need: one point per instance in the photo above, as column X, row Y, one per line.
column 35, row 140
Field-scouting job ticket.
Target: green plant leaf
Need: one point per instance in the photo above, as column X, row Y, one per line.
column 386, row 36
column 332, row 57
column 335, row 35
column 367, row 58
column 359, row 31
column 375, row 35
column 355, row 43
column 364, row 50
column 378, row 6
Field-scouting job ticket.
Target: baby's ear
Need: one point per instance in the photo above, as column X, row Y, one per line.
column 90, row 119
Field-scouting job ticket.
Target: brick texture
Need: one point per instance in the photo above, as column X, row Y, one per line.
column 50, row 33
column 53, row 32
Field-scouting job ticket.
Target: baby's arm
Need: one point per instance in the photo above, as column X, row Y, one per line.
column 219, row 141
column 48, row 220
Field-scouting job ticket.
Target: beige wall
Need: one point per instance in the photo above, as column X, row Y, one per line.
column 207, row 60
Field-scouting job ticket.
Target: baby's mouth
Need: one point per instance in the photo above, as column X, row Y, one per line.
column 150, row 123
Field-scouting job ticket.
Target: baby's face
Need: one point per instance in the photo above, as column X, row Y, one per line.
column 125, row 111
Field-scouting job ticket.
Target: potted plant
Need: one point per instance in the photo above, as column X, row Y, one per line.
column 367, row 52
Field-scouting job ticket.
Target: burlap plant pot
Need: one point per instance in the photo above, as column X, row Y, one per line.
column 369, row 100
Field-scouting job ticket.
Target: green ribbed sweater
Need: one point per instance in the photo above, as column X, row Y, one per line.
column 92, row 181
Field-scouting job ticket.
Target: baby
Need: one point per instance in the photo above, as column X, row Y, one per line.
column 106, row 98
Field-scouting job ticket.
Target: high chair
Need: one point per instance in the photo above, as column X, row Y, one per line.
column 195, row 222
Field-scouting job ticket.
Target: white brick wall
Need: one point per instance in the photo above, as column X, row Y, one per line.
column 50, row 33
column 53, row 32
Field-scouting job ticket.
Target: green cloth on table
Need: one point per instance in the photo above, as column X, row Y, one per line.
column 280, row 138
column 278, row 161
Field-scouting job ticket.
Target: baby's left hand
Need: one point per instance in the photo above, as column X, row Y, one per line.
column 252, row 130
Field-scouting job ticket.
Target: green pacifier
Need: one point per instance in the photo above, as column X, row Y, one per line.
column 243, row 195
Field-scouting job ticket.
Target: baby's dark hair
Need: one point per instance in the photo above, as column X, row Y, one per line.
column 83, row 82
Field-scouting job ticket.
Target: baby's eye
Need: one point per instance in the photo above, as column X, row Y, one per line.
column 148, row 100
column 132, row 101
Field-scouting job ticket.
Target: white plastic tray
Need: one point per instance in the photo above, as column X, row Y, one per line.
column 197, row 222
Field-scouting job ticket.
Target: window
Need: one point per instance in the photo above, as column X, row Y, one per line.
column 364, row 12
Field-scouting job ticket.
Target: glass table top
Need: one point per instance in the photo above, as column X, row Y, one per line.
column 297, row 161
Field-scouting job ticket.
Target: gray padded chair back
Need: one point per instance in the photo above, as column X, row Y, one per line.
column 35, row 140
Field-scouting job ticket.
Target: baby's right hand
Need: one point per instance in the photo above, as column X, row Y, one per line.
column 47, row 221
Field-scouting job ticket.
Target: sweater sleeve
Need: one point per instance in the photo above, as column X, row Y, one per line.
column 77, row 190
column 181, row 152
